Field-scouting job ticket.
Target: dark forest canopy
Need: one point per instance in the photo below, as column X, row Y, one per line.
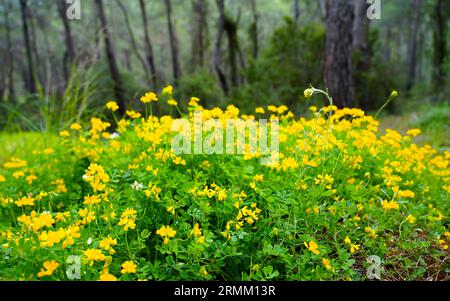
column 241, row 51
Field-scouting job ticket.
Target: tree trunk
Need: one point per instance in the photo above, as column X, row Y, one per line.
column 30, row 84
column 361, row 26
column 148, row 44
column 412, row 44
column 35, row 51
column 199, row 43
column 338, row 57
column 173, row 42
column 110, row 54
column 217, row 59
column 69, row 54
column 440, row 29
column 134, row 46
column 254, row 30
column 10, row 56
column 296, row 11
column 362, row 54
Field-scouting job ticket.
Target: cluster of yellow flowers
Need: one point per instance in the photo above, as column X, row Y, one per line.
column 166, row 232
column 96, row 176
column 324, row 161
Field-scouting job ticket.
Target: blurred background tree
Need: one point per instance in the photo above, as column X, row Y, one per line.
column 248, row 52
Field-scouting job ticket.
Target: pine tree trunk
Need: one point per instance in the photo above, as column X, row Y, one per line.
column 255, row 30
column 148, row 44
column 111, row 56
column 296, row 11
column 440, row 24
column 338, row 57
column 217, row 58
column 412, row 44
column 134, row 46
column 10, row 56
column 361, row 52
column 199, row 41
column 173, row 42
column 30, row 84
column 69, row 54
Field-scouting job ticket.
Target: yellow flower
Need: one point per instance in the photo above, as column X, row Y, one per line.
column 258, row 178
column 197, row 232
column 222, row 195
column 166, row 232
column 171, row 210
column 347, row 240
column 106, row 276
column 64, row 134
column 2, row 179
column 203, row 271
column 308, row 93
column 372, row 233
column 272, row 108
column 75, row 126
column 91, row 200
column 168, row 90
column 413, row 132
column 112, row 105
column 354, row 248
column 193, row 102
column 30, row 179
column 260, row 110
column 410, row 219
column 149, row 97
column 312, row 247
column 326, row 263
column 389, row 205
column 48, row 269
column 128, row 219
column 128, row 267
column 394, row 93
column 172, row 102
column 108, row 243
column 94, row 255
column 201, row 239
column 133, row 114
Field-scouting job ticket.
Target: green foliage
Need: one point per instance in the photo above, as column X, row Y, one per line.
column 293, row 59
column 202, row 84
column 372, row 76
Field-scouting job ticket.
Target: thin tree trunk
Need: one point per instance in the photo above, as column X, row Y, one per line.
column 362, row 52
column 39, row 71
column 10, row 56
column 110, row 54
column 412, row 44
column 338, row 56
column 255, row 30
column 69, row 54
column 134, row 46
column 440, row 23
column 217, row 58
column 361, row 26
column 199, row 43
column 173, row 42
column 296, row 11
column 148, row 44
column 30, row 84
